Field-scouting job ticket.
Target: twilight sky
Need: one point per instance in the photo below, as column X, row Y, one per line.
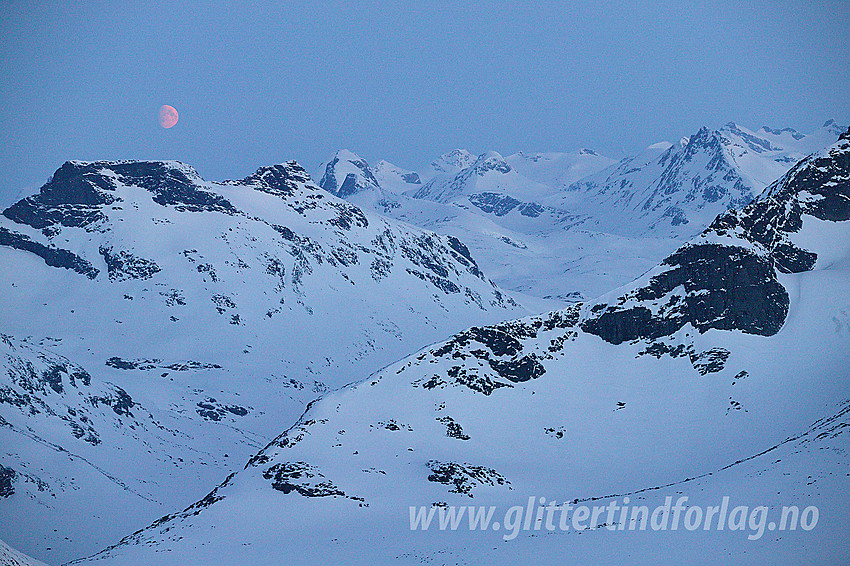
column 257, row 83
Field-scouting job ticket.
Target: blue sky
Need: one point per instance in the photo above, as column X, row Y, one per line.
column 259, row 83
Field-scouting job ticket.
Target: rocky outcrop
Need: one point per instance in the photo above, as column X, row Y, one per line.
column 727, row 278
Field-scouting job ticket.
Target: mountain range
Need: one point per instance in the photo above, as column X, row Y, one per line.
column 156, row 321
column 719, row 373
column 569, row 226
column 162, row 333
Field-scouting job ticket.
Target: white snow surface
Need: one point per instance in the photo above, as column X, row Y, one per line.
column 767, row 426
column 126, row 395
column 130, row 394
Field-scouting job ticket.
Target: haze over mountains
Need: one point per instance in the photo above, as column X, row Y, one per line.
column 160, row 331
column 573, row 225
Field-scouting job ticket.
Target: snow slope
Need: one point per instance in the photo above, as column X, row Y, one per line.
column 157, row 328
column 721, row 372
column 522, row 245
column 567, row 226
column 11, row 557
column 676, row 190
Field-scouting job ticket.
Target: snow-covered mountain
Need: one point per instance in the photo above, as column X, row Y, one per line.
column 568, row 226
column 395, row 179
column 348, row 174
column 719, row 373
column 453, row 162
column 525, row 246
column 558, row 169
column 488, row 173
column 677, row 190
column 157, row 327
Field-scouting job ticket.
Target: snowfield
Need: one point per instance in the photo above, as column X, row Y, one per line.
column 258, row 372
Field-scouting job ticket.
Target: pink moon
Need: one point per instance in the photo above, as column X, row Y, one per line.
column 167, row 116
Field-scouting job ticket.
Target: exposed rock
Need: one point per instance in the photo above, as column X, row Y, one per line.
column 7, row 477
column 463, row 477
column 213, row 410
column 54, row 257
column 724, row 287
column 123, row 265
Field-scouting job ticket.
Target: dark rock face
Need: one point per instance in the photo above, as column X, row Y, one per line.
column 140, row 364
column 282, row 180
column 818, row 187
column 72, row 197
column 123, row 265
column 531, row 209
column 411, row 178
column 725, row 287
column 500, row 343
column 120, row 402
column 348, row 216
column 77, row 192
column 506, row 363
column 304, row 479
column 734, row 286
column 463, row 477
column 453, row 429
column 710, row 361
column 523, row 369
column 500, row 205
column 7, row 477
column 171, row 186
column 494, row 203
column 54, row 257
column 461, row 253
column 213, row 410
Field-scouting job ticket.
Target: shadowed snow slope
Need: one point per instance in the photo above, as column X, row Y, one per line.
column 721, row 372
column 156, row 328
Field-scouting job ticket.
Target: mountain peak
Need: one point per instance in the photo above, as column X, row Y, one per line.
column 348, row 174
column 281, row 179
column 453, row 161
column 347, row 155
column 491, row 161
column 78, row 190
column 832, row 127
column 394, row 178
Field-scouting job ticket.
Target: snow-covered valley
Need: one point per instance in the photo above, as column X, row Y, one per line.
column 557, row 326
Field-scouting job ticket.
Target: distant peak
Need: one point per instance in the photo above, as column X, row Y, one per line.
column 832, row 127
column 586, row 151
column 348, row 155
column 279, row 177
column 128, row 168
column 491, row 161
column 347, row 174
column 453, row 161
column 490, row 155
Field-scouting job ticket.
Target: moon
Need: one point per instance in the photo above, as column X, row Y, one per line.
column 167, row 116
